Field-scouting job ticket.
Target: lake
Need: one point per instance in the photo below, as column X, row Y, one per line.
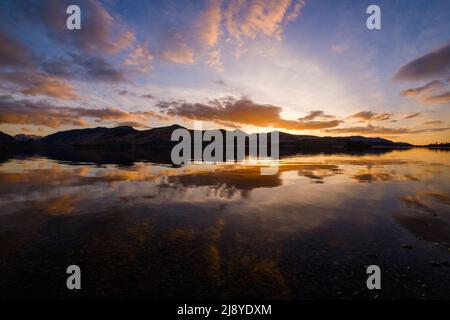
column 139, row 227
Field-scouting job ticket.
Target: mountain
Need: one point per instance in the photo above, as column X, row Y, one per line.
column 437, row 145
column 26, row 137
column 377, row 141
column 287, row 139
column 161, row 137
column 118, row 136
column 6, row 139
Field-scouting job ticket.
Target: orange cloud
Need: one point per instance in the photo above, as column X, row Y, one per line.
column 436, row 99
column 235, row 113
column 427, row 88
column 382, row 130
column 38, row 117
column 141, row 57
column 185, row 46
column 38, row 84
column 179, row 51
column 372, row 116
column 434, row 122
column 247, row 19
column 53, row 88
column 209, row 23
column 42, row 113
column 242, row 19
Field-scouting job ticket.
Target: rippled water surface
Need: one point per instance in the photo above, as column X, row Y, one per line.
column 145, row 229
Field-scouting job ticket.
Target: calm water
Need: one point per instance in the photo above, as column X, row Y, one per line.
column 140, row 228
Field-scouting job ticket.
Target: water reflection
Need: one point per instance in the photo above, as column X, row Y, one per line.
column 140, row 227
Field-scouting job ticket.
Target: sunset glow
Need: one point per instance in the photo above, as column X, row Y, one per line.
column 306, row 67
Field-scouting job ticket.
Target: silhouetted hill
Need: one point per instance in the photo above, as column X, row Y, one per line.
column 6, row 138
column 26, row 137
column 123, row 135
column 437, row 145
column 287, row 139
column 161, row 137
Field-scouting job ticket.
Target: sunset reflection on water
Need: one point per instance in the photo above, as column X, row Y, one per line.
column 152, row 230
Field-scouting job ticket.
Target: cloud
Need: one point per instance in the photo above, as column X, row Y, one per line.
column 13, row 53
column 26, row 112
column 214, row 60
column 209, row 23
column 425, row 89
column 339, row 47
column 436, row 99
column 186, row 46
column 372, row 116
column 242, row 19
column 132, row 124
column 434, row 122
column 53, row 88
column 316, row 114
column 46, row 114
column 293, row 15
column 134, row 94
column 82, row 66
column 430, row 65
column 101, row 36
column 412, row 115
column 178, row 51
column 248, row 19
column 220, row 82
column 87, row 54
column 37, row 84
column 100, row 32
column 237, row 112
column 95, row 68
column 369, row 129
column 141, row 58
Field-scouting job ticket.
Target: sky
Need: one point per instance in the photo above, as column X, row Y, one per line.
column 299, row 66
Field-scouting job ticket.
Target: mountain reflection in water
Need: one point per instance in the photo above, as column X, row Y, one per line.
column 141, row 228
